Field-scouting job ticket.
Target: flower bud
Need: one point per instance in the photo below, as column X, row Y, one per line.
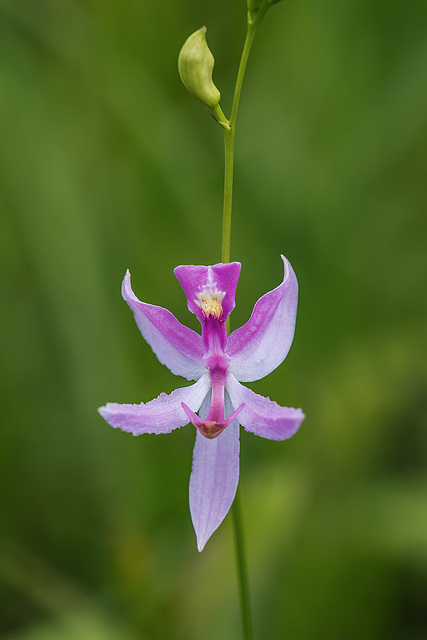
column 195, row 66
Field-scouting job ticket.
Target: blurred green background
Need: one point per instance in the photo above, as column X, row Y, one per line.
column 106, row 162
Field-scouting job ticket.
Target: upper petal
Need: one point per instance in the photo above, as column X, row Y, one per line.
column 220, row 277
column 161, row 415
column 181, row 349
column 260, row 345
column 261, row 415
column 214, row 478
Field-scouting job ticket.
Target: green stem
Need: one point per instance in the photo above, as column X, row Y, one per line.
column 245, row 604
column 229, row 139
column 228, row 193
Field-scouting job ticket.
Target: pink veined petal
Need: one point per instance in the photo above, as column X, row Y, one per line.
column 161, row 415
column 214, row 477
column 262, row 416
column 181, row 349
column 260, row 345
column 220, row 277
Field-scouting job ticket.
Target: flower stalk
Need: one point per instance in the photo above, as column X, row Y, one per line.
column 229, row 140
column 229, row 144
column 245, row 601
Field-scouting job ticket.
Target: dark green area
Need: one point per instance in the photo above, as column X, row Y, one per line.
column 106, row 162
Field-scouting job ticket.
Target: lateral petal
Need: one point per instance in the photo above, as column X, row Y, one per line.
column 214, row 477
column 262, row 416
column 181, row 349
column 161, row 415
column 260, row 345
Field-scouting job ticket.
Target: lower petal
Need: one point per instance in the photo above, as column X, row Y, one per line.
column 214, row 478
column 161, row 415
column 261, row 415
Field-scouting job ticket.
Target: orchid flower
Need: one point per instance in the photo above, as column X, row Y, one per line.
column 218, row 363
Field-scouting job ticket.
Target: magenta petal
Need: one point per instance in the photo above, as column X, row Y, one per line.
column 214, row 478
column 161, row 415
column 260, row 345
column 261, row 415
column 181, row 349
column 220, row 277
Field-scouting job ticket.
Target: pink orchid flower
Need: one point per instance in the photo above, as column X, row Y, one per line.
column 218, row 363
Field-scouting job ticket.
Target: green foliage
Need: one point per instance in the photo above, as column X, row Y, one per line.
column 105, row 161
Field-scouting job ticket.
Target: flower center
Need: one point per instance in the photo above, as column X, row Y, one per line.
column 209, row 300
column 215, row 422
column 211, row 428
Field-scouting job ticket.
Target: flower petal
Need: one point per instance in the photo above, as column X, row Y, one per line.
column 161, row 415
column 260, row 345
column 214, row 477
column 181, row 349
column 220, row 277
column 262, row 416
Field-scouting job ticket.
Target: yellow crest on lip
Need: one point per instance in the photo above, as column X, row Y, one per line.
column 209, row 300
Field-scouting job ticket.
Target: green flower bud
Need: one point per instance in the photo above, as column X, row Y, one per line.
column 195, row 66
